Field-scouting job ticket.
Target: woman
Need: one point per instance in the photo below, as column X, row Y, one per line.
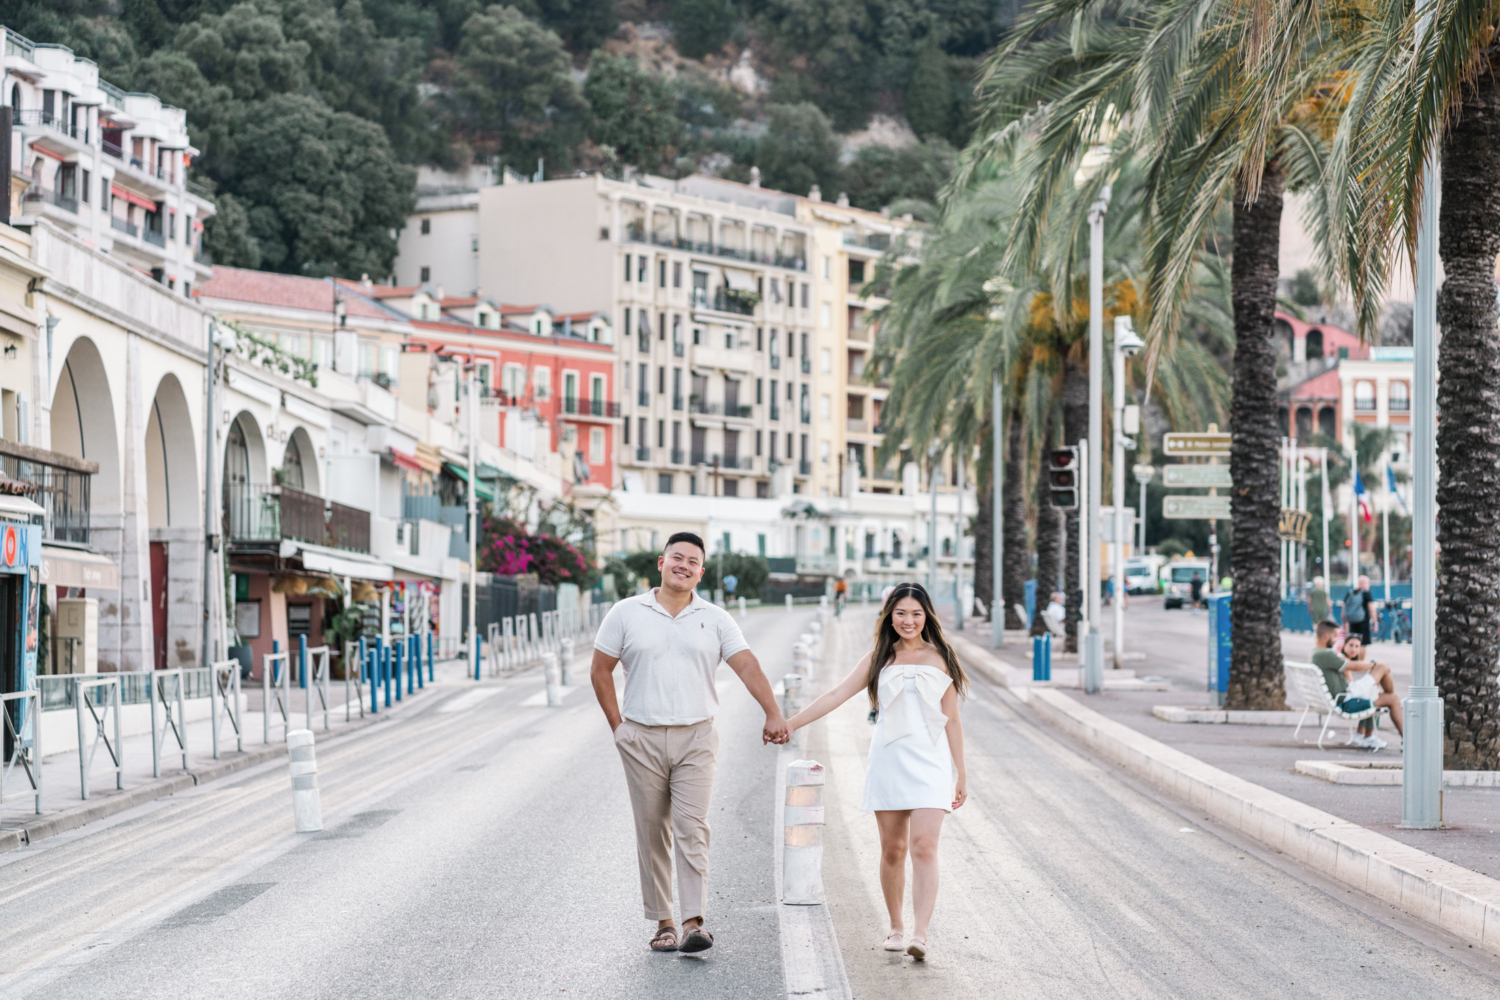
column 916, row 773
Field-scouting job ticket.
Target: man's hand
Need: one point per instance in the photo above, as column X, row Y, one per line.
column 776, row 730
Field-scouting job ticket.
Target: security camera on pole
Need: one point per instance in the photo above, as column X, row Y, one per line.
column 1127, row 422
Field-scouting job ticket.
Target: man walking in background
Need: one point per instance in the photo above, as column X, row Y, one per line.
column 670, row 642
column 1317, row 600
column 1359, row 610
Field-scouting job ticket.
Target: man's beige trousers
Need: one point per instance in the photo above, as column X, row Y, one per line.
column 670, row 773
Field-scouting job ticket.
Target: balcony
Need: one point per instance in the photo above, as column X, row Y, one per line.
column 46, row 119
column 744, row 463
column 636, row 233
column 678, row 457
column 804, row 468
column 775, row 411
column 643, row 397
column 40, row 195
column 642, row 454
column 62, row 491
column 154, row 238
column 203, row 257
column 585, row 407
column 880, row 242
column 677, row 402
column 806, row 416
column 806, row 365
column 856, row 425
column 775, row 362
column 733, row 411
column 111, row 149
column 120, row 225
column 255, row 512
column 679, row 349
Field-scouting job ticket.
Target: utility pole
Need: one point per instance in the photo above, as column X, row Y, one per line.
column 473, row 422
column 1422, row 745
column 958, row 545
column 1126, row 344
column 932, row 529
column 1093, row 649
column 210, row 428
column 997, row 514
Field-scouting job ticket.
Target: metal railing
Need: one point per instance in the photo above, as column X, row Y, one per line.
column 806, row 365
column 642, row 453
column 775, row 362
column 128, row 228
column 173, row 717
column 257, row 512
column 679, row 349
column 804, row 468
column 53, row 196
column 203, row 257
column 707, row 408
column 22, row 730
column 63, row 493
column 224, row 706
column 519, row 642
column 36, row 116
column 154, row 238
column 584, row 406
column 99, row 714
column 111, row 149
column 275, row 690
column 636, row 233
column 678, row 456
column 643, row 397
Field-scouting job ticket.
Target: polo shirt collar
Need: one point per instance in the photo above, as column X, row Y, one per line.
column 696, row 604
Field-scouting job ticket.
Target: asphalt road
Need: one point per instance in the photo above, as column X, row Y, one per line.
column 1060, row 879
column 477, row 847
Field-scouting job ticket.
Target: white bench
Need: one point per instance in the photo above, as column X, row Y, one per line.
column 1308, row 682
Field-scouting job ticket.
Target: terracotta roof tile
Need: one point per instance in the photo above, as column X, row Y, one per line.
column 287, row 291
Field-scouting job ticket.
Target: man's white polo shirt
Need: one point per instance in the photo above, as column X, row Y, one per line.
column 669, row 662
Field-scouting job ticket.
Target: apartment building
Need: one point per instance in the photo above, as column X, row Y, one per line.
column 103, row 165
column 714, row 309
column 441, row 243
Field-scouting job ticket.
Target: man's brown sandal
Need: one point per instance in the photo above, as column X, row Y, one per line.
column 665, row 940
column 697, row 939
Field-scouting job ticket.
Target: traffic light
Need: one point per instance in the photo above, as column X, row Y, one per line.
column 1062, row 478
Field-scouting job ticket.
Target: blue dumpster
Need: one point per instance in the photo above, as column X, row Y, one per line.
column 1220, row 644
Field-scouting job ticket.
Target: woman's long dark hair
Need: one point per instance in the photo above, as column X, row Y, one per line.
column 932, row 632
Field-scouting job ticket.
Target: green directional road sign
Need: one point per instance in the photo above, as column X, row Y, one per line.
column 1196, row 508
column 1197, row 475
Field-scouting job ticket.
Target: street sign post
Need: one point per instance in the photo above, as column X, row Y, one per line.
column 1190, row 445
column 1196, row 475
column 1196, row 508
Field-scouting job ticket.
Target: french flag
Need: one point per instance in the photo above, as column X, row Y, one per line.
column 1361, row 496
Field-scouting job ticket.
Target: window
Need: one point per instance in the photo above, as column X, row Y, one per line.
column 825, row 407
column 483, row 374
column 757, row 444
column 760, row 545
column 627, row 432
column 776, row 291
column 1400, row 397
column 426, row 227
column 676, row 388
column 663, row 484
column 83, row 191
column 426, row 275
column 759, row 386
column 645, row 426
column 823, row 449
column 640, row 268
column 827, row 268
column 827, row 315
column 791, row 344
column 596, row 446
column 806, row 296
column 804, row 345
column 731, row 489
column 661, row 272
column 597, row 392
column 760, row 338
column 627, row 267
column 541, row 380
column 697, row 335
column 789, row 455
column 677, row 274
column 513, row 381
column 473, row 244
column 570, row 389
column 700, row 288
column 661, row 379
column 627, row 321
column 661, row 326
column 825, row 360
column 661, row 435
column 1364, row 395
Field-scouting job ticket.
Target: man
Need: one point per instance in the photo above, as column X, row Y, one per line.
column 1355, row 684
column 1317, row 601
column 840, row 595
column 670, row 642
column 1056, row 613
column 1359, row 610
column 1195, row 590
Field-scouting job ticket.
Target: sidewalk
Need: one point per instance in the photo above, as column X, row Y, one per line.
column 63, row 806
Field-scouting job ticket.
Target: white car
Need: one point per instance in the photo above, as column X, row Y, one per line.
column 1140, row 576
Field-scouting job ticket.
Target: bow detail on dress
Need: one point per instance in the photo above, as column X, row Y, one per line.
column 931, row 683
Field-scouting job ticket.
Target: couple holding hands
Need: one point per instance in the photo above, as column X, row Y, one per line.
column 671, row 641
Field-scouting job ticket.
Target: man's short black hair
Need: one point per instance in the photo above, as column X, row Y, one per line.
column 686, row 536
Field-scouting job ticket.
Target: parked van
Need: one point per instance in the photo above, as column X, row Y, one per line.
column 1177, row 580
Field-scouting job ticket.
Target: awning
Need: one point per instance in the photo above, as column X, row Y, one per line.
column 64, row 567
column 742, row 281
column 320, row 560
column 405, row 461
column 132, row 197
column 480, row 490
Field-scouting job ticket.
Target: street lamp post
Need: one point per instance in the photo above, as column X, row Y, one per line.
column 997, row 516
column 1127, row 344
column 1094, row 640
column 1143, row 475
column 1422, row 744
column 473, row 422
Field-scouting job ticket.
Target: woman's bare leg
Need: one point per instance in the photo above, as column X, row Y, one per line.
column 893, row 825
column 926, row 824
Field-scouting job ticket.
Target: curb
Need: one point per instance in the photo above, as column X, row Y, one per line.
column 1448, row 896
column 1220, row 716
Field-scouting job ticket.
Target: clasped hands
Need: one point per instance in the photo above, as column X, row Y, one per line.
column 776, row 730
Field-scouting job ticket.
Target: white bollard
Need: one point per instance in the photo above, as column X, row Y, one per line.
column 801, row 661
column 789, row 602
column 554, row 679
column 802, row 858
column 742, row 607
column 791, row 695
column 565, row 666
column 307, row 804
column 823, row 601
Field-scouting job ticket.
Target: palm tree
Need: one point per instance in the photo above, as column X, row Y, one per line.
column 1183, row 81
column 1414, row 96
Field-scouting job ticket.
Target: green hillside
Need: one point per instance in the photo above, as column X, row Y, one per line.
column 311, row 114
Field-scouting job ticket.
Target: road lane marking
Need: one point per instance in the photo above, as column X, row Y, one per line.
column 468, row 700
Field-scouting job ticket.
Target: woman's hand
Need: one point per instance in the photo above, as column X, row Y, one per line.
column 961, row 791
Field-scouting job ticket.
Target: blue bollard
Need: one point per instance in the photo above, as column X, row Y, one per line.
column 302, row 662
column 385, row 670
column 416, row 659
column 369, row 666
column 430, row 676
column 1041, row 657
column 478, row 652
column 406, row 658
column 276, row 664
column 396, row 668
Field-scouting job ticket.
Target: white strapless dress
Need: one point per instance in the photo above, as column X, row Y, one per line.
column 910, row 765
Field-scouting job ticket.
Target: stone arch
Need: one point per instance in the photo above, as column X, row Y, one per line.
column 1314, row 348
column 83, row 425
column 172, row 497
column 246, row 475
column 299, row 463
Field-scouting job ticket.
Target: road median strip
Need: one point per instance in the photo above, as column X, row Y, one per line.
column 1448, row 896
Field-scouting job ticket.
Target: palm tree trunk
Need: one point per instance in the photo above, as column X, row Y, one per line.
column 1049, row 536
column 1255, row 671
column 1017, row 558
column 984, row 529
column 1075, row 428
column 1468, row 435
